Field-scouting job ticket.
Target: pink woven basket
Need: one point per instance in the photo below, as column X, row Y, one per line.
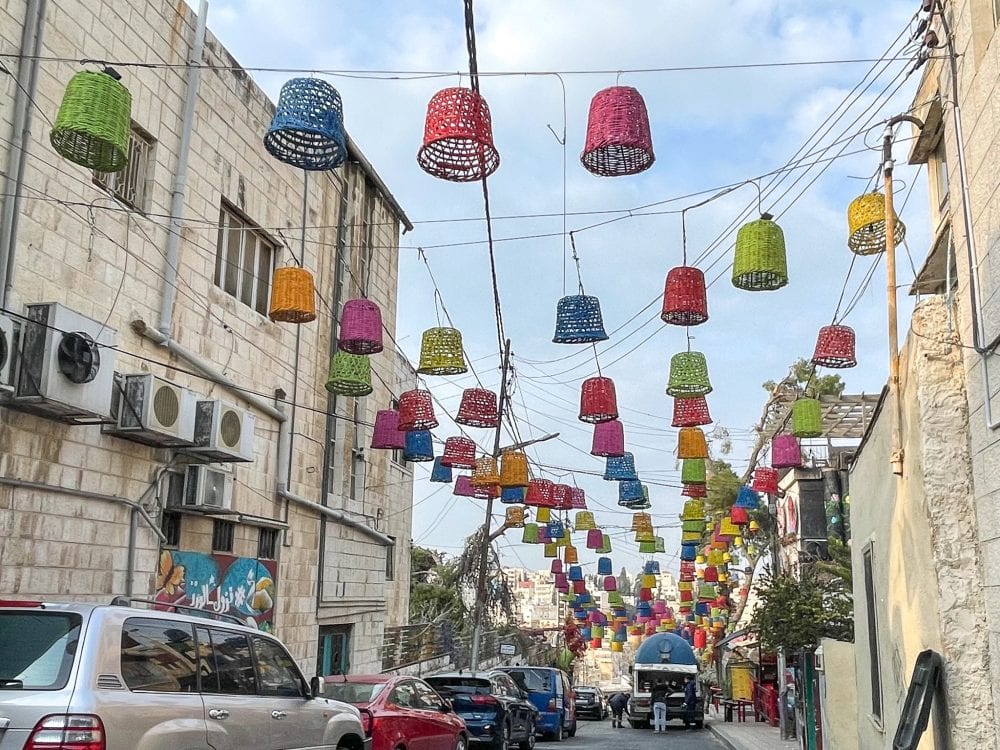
column 609, row 439
column 386, row 433
column 618, row 136
column 360, row 327
column 691, row 412
column 835, row 347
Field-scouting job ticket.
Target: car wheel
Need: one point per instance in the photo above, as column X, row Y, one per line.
column 572, row 730
column 528, row 743
column 502, row 741
column 462, row 743
column 557, row 736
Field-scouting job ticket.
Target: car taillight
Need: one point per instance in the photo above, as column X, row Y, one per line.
column 554, row 704
column 483, row 700
column 67, row 732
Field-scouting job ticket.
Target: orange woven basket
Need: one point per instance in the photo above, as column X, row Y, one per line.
column 293, row 296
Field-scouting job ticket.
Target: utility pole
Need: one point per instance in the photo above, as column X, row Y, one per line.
column 484, row 552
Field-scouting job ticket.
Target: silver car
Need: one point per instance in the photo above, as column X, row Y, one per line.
column 117, row 677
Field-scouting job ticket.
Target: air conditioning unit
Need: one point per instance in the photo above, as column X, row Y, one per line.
column 222, row 432
column 207, row 488
column 9, row 330
column 66, row 365
column 153, row 411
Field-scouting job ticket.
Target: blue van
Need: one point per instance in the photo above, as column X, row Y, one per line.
column 550, row 691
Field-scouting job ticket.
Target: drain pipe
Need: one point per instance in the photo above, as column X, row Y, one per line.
column 978, row 331
column 180, row 176
column 27, row 80
column 340, row 517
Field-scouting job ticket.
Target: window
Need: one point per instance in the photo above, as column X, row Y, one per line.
column 244, row 260
column 222, row 536
column 404, row 695
column 873, row 655
column 170, row 525
column 131, row 184
column 427, row 697
column 334, row 645
column 278, row 673
column 228, row 666
column 939, row 163
column 390, row 561
column 267, row 543
column 38, row 648
column 159, row 656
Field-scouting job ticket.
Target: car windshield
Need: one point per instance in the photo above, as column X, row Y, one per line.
column 533, row 680
column 459, row 685
column 37, row 649
column 352, row 692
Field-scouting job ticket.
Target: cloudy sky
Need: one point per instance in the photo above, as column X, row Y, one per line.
column 711, row 128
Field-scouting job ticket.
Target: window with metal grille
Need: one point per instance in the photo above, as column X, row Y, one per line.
column 873, row 653
column 222, row 536
column 170, row 525
column 267, row 543
column 390, row 560
column 244, row 260
column 131, row 184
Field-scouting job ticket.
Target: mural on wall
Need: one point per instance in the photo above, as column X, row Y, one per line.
column 242, row 587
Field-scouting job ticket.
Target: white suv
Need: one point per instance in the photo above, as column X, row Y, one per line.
column 116, row 677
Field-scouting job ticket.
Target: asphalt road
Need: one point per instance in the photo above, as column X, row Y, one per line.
column 599, row 735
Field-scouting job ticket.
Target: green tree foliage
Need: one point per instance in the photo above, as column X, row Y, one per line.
column 802, row 379
column 722, row 485
column 794, row 614
column 434, row 593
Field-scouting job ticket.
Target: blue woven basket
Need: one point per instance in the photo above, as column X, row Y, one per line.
column 440, row 473
column 620, row 468
column 556, row 530
column 604, row 566
column 689, row 552
column 419, row 446
column 652, row 567
column 512, row 495
column 579, row 321
column 747, row 498
column 307, row 130
column 630, row 490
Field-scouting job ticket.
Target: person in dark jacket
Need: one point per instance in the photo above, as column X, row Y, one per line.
column 659, row 700
column 618, row 703
column 690, row 701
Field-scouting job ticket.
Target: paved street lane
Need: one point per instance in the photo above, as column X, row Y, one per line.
column 594, row 735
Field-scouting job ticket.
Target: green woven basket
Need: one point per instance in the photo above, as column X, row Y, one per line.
column 688, row 375
column 605, row 547
column 697, row 525
column 759, row 265
column 350, row 374
column 693, row 471
column 94, row 121
column 807, row 418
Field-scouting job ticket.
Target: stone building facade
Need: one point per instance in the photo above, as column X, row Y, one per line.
column 310, row 536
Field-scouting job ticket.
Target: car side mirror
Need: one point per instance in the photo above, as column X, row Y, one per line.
column 315, row 691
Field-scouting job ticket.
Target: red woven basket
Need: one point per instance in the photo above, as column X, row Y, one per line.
column 459, row 453
column 458, row 137
column 685, row 302
column 691, row 412
column 598, row 402
column 416, row 411
column 618, row 136
column 478, row 408
column 835, row 347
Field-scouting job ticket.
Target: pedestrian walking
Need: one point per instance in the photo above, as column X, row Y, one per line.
column 659, row 699
column 618, row 703
column 690, row 701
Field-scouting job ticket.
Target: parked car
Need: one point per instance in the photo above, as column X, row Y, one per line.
column 119, row 677
column 495, row 710
column 591, row 701
column 400, row 711
column 551, row 693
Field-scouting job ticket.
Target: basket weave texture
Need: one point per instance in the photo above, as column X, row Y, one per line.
column 459, row 453
column 765, row 480
column 530, row 534
column 485, row 473
column 618, row 135
column 293, row 296
column 688, row 375
column 807, row 418
column 620, row 468
column 629, row 489
column 512, row 494
column 94, row 122
column 759, row 264
column 584, row 521
column 350, row 375
column 866, row 225
column 386, row 434
column 539, row 494
column 419, row 446
column 598, row 400
column 514, row 517
column 693, row 471
column 690, row 412
column 694, row 510
column 685, row 301
column 609, row 439
column 440, row 472
column 835, row 347
column 478, row 408
column 579, row 320
column 441, row 352
column 360, row 327
column 458, row 137
column 416, row 410
column 694, row 490
column 691, row 443
column 513, row 469
column 785, row 452
column 307, row 130
column 577, row 498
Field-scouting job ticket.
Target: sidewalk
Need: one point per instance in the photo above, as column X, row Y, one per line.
column 747, row 735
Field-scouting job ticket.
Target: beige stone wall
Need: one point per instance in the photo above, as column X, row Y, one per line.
column 839, row 696
column 110, row 265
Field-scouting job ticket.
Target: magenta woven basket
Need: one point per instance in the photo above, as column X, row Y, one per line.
column 685, row 302
column 478, row 408
column 598, row 402
column 618, row 136
column 386, row 433
column 458, row 137
column 459, row 453
column 835, row 347
column 785, row 452
column 360, row 327
column 416, row 411
column 578, row 499
column 609, row 439
column 691, row 412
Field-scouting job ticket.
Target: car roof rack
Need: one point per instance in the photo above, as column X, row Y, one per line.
column 125, row 601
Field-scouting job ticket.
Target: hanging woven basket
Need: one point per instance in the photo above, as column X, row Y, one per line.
column 584, row 521
column 514, row 517
column 539, row 494
column 693, row 471
column 688, row 375
column 307, row 130
column 785, row 452
column 866, row 225
column 579, row 321
column 606, row 547
column 685, row 302
column 416, row 410
column 350, row 375
column 691, row 443
column 620, row 468
column 513, row 469
column 739, row 516
column 386, row 434
column 835, row 347
column 459, row 453
column 694, row 490
column 577, row 498
column 360, row 327
column 629, row 490
column 690, row 412
column 642, row 522
column 293, row 296
column 440, row 472
column 510, row 495
column 604, row 566
column 458, row 137
column 542, row 514
column 478, row 408
column 441, row 352
column 485, row 472
column 609, row 439
column 694, row 510
column 530, row 534
column 463, row 486
column 418, row 446
column 748, row 498
column 618, row 136
column 94, row 122
column 562, row 497
column 570, row 555
column 765, row 480
column 759, row 264
column 807, row 418
column 598, row 401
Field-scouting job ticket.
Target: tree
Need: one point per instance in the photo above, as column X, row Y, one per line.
column 793, row 614
column 434, row 594
column 423, row 561
column 722, row 486
column 802, row 378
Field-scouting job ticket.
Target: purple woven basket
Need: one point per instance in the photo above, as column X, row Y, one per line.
column 785, row 452
column 609, row 439
column 386, row 434
column 360, row 327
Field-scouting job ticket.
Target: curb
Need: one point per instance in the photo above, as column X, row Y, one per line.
column 720, row 737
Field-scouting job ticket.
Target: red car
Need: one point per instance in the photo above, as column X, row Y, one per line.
column 400, row 712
